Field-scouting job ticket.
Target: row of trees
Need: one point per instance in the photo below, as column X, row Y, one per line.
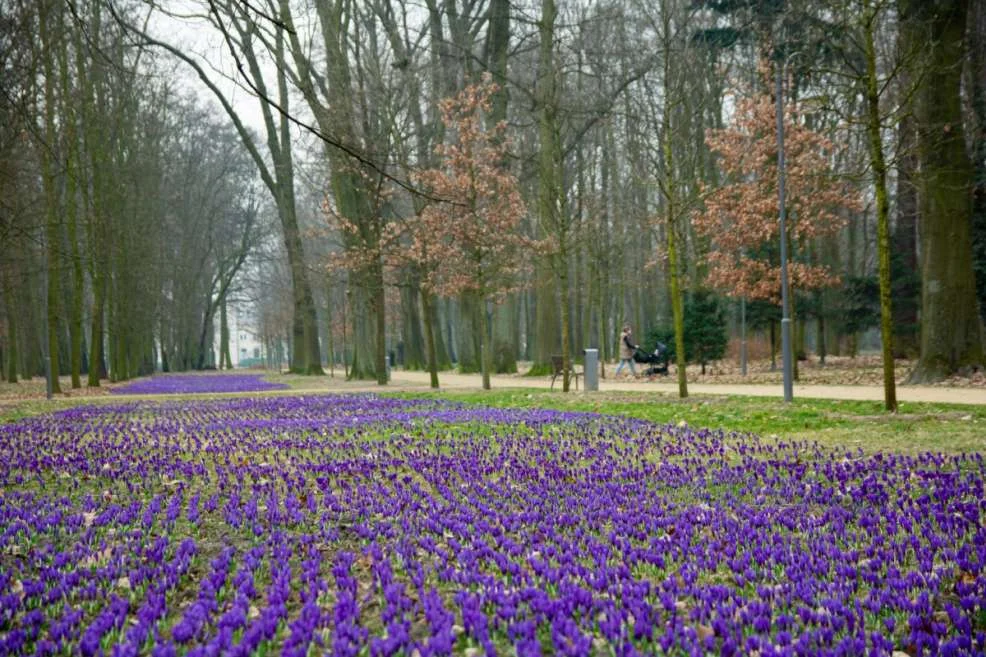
column 127, row 209
column 621, row 153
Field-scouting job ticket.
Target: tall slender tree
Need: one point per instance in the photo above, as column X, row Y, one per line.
column 878, row 166
column 49, row 157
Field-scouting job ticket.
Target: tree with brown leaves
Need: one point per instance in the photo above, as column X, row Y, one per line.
column 471, row 242
column 741, row 215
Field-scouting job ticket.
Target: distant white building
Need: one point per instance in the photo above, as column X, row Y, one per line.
column 245, row 346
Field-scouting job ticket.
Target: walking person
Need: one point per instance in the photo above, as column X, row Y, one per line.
column 627, row 348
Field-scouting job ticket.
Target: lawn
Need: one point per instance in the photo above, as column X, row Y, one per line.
column 835, row 424
column 368, row 525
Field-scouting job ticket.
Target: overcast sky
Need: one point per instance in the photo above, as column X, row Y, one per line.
column 195, row 36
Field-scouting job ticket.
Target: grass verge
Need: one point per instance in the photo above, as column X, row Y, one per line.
column 917, row 427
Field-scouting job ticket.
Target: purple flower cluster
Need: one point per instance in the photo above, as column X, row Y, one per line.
column 358, row 525
column 172, row 384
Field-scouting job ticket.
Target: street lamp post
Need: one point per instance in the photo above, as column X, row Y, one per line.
column 785, row 291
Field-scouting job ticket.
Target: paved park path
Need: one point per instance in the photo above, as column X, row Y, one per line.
column 418, row 381
column 905, row 393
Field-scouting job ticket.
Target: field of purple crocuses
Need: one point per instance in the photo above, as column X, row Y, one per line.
column 170, row 384
column 360, row 525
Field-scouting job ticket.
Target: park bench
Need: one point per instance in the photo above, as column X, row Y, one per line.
column 558, row 370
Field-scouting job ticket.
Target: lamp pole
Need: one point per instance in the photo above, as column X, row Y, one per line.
column 785, row 291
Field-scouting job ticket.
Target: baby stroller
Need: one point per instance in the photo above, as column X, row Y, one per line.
column 657, row 361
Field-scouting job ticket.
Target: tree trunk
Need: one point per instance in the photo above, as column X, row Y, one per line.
column 544, row 332
column 225, row 358
column 470, row 333
column 678, row 312
column 503, row 344
column 346, row 307
column 820, row 328
column 449, row 332
column 528, row 319
column 551, row 208
column 879, row 168
column 97, row 366
column 306, row 358
column 30, row 328
column 49, row 152
column 592, row 305
column 951, row 329
column 12, row 349
column 414, row 356
column 977, row 93
column 95, row 202
column 670, row 193
column 442, row 357
column 486, row 330
column 329, row 332
column 497, row 48
column 677, row 308
column 429, row 313
column 381, row 333
column 73, row 173
column 506, row 337
column 906, row 283
column 364, row 330
column 566, row 323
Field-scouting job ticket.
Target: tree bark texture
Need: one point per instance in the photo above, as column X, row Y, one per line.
column 49, row 156
column 414, row 352
column 879, row 169
column 977, row 100
column 428, row 309
column 951, row 329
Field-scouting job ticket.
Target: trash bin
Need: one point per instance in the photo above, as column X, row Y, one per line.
column 591, row 369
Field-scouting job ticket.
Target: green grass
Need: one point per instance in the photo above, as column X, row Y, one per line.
column 917, row 427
